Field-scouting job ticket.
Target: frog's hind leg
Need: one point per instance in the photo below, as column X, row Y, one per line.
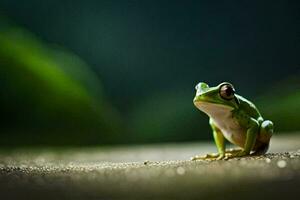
column 261, row 150
column 265, row 134
column 266, row 131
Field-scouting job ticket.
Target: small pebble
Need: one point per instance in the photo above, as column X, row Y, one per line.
column 146, row 162
column 281, row 163
column 268, row 160
column 180, row 170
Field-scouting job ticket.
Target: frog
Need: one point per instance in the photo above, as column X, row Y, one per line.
column 232, row 118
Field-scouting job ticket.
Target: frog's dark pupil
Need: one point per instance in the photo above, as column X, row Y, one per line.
column 228, row 91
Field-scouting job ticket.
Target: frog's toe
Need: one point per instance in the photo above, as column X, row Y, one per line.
column 222, row 157
column 241, row 153
column 238, row 154
column 205, row 157
column 232, row 151
column 198, row 157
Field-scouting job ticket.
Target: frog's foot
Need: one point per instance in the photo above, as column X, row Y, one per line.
column 240, row 153
column 212, row 156
column 232, row 151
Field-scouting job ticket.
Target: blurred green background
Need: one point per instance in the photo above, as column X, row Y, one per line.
column 117, row 72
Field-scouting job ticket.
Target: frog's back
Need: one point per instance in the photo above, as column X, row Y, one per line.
column 248, row 107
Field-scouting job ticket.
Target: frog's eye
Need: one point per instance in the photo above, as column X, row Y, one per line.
column 227, row 91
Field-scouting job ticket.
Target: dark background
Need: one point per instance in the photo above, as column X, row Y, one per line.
column 136, row 63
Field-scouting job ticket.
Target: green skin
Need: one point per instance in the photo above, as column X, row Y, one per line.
column 235, row 119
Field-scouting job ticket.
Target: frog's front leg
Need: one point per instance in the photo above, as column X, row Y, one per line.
column 251, row 136
column 220, row 143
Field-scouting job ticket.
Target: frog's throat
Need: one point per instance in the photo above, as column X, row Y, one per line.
column 213, row 110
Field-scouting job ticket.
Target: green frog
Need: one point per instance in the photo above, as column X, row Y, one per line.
column 232, row 118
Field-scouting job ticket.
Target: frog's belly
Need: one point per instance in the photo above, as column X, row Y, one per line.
column 231, row 130
column 222, row 117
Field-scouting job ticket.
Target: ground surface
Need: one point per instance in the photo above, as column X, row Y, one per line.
column 150, row 172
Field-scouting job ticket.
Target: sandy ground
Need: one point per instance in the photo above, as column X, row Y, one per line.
column 150, row 172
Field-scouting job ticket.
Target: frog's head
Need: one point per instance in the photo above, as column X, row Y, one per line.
column 215, row 99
